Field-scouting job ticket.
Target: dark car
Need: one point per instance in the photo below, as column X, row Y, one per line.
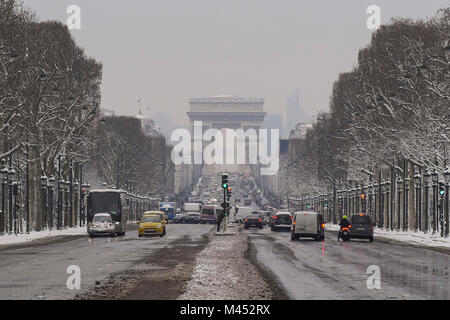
column 253, row 221
column 361, row 227
column 179, row 218
column 247, row 202
column 281, row 221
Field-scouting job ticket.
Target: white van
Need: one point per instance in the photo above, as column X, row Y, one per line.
column 193, row 207
column 308, row 224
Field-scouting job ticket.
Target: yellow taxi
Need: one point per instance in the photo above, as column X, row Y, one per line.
column 151, row 225
column 160, row 213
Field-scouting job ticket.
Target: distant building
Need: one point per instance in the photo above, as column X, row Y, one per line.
column 271, row 122
column 148, row 125
column 294, row 111
column 107, row 113
column 300, row 130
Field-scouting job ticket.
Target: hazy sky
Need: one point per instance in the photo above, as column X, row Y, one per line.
column 168, row 51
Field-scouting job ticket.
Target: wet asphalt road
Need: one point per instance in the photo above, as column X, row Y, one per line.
column 38, row 271
column 335, row 270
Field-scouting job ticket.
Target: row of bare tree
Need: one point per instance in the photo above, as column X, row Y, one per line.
column 49, row 99
column 393, row 106
column 125, row 158
column 51, row 123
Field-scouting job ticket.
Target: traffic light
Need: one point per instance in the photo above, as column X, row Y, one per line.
column 441, row 189
column 224, row 181
column 228, row 193
column 363, row 197
column 228, row 209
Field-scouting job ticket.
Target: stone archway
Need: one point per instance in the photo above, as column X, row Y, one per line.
column 226, row 112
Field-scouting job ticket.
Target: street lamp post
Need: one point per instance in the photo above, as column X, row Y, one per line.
column 84, row 193
column 51, row 193
column 399, row 201
column 382, row 191
column 447, row 189
column 376, row 187
column 60, row 203
column 15, row 191
column 70, row 190
column 434, row 180
column 353, row 200
column 363, row 199
column 406, row 201
column 44, row 180
column 418, row 185
column 370, row 194
column 67, row 218
column 340, row 206
column 76, row 188
column 11, row 174
column 358, row 199
column 3, row 177
column 426, row 212
column 389, row 215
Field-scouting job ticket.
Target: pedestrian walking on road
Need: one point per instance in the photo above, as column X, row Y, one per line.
column 219, row 219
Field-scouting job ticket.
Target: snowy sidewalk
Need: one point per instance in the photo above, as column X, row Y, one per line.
column 411, row 237
column 34, row 235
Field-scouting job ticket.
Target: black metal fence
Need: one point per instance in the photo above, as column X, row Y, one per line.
column 399, row 203
column 63, row 203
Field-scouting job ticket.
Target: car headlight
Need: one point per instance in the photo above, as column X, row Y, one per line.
column 159, row 226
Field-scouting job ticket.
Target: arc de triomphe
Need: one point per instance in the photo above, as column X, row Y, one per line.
column 226, row 112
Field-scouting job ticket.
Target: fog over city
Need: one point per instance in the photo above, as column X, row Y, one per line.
column 169, row 51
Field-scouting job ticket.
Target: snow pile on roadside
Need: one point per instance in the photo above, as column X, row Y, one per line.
column 418, row 238
column 223, row 273
column 35, row 235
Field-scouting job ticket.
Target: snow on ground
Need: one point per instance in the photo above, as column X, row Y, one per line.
column 35, row 235
column 412, row 237
column 222, row 272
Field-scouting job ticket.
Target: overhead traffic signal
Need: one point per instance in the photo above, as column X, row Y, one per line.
column 224, row 181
